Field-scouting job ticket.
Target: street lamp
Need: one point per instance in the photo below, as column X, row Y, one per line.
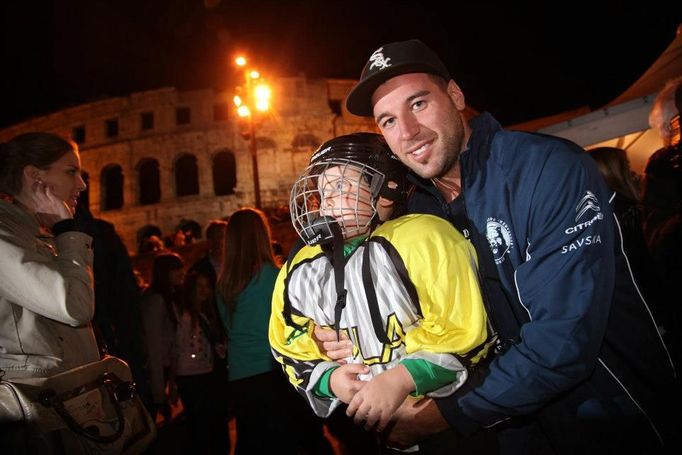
column 251, row 99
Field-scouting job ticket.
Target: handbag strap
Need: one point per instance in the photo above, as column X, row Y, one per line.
column 50, row 399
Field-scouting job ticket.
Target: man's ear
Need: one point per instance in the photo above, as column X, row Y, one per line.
column 456, row 95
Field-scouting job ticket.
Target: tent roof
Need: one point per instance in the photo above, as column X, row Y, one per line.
column 667, row 66
column 624, row 122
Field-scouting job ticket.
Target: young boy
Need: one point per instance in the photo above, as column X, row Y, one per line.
column 405, row 291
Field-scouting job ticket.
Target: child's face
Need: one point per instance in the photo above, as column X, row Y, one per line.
column 346, row 196
column 203, row 290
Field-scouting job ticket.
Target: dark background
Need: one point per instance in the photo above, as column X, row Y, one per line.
column 518, row 62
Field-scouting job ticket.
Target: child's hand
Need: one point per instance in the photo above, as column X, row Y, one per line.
column 376, row 402
column 328, row 344
column 344, row 380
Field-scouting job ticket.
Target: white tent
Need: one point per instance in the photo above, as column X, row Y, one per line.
column 624, row 122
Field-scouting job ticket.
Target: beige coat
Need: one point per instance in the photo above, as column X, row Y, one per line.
column 46, row 298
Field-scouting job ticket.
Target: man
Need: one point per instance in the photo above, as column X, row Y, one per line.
column 209, row 265
column 662, row 200
column 570, row 376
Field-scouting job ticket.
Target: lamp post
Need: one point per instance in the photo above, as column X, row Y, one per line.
column 251, row 98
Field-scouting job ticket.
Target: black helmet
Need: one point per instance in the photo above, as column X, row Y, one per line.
column 360, row 156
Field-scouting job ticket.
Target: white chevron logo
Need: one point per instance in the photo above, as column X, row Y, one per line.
column 588, row 202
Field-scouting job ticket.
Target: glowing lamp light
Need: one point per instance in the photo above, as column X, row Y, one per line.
column 262, row 94
column 262, row 105
column 237, row 100
column 243, row 111
column 254, row 74
column 240, row 61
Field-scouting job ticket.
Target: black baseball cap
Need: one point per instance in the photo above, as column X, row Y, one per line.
column 388, row 61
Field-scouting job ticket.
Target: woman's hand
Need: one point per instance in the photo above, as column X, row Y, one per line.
column 49, row 209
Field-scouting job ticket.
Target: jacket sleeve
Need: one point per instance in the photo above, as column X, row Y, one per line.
column 442, row 269
column 58, row 287
column 296, row 351
column 565, row 282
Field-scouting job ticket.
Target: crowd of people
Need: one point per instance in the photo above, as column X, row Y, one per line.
column 457, row 287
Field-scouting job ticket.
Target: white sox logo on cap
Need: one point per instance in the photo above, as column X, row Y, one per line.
column 378, row 60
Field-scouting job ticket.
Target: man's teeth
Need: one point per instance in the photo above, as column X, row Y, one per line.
column 420, row 150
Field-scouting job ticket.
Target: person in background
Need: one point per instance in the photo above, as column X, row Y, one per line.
column 614, row 166
column 198, row 367
column 662, row 199
column 46, row 287
column 570, row 375
column 266, row 414
column 117, row 321
column 159, row 322
column 210, row 263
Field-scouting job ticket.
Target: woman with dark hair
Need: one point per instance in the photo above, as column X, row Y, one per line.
column 46, row 294
column 200, row 371
column 46, row 289
column 159, row 322
column 264, row 403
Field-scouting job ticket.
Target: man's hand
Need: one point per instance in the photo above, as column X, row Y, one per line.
column 327, row 344
column 344, row 381
column 414, row 421
column 380, row 397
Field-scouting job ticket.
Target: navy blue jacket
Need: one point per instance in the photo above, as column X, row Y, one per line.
column 580, row 343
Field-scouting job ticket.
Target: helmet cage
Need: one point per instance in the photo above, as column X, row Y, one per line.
column 337, row 195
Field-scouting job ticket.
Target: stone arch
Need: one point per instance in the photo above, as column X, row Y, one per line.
column 224, row 168
column 305, row 141
column 111, row 187
column 148, row 181
column 186, row 175
column 263, row 142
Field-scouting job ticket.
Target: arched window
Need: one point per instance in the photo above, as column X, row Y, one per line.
column 148, row 181
column 224, row 173
column 305, row 141
column 111, row 184
column 186, row 175
column 265, row 143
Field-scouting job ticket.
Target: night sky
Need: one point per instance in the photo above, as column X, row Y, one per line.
column 519, row 63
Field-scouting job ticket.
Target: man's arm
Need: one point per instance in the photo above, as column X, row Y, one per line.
column 414, row 421
column 564, row 278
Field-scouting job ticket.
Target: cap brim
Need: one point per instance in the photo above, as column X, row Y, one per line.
column 359, row 100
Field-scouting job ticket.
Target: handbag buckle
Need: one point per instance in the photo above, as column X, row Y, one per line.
column 125, row 391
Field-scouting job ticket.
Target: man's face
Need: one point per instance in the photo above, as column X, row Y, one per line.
column 345, row 195
column 421, row 122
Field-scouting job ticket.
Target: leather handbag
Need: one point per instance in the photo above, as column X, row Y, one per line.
column 93, row 408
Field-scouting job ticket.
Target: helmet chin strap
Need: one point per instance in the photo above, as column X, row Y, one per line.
column 326, row 227
column 339, row 262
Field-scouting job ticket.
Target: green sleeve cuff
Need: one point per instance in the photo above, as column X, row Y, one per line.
column 322, row 388
column 427, row 376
